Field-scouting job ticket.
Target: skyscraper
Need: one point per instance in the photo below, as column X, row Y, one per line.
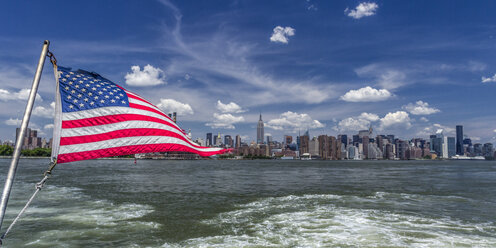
column 260, row 131
column 228, row 142
column 459, row 140
column 238, row 141
column 451, row 146
column 365, row 142
column 208, row 142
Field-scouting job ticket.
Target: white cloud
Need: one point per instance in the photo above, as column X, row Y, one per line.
column 229, row 108
column 446, row 129
column 225, row 121
column 45, row 112
column 424, row 119
column 362, row 10
column 420, row 108
column 396, row 119
column 171, row 105
column 281, row 34
column 13, row 122
column 48, row 126
column 360, row 122
column 22, row 94
column 366, row 94
column 494, row 130
column 489, row 79
column 149, row 76
column 294, row 121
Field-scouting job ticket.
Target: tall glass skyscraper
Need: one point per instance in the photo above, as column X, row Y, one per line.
column 459, row 140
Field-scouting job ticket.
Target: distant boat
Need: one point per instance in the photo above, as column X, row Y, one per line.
column 458, row 157
column 306, row 156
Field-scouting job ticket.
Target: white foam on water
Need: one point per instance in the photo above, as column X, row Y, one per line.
column 317, row 221
column 72, row 215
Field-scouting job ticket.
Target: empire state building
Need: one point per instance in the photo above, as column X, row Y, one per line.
column 260, row 131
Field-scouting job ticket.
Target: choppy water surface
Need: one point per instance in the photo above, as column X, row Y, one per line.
column 159, row 203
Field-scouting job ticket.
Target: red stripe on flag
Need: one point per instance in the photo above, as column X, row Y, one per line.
column 134, row 149
column 132, row 132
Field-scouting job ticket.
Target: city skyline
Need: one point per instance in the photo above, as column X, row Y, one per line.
column 329, row 67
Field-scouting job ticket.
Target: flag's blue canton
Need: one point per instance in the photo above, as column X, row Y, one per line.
column 81, row 90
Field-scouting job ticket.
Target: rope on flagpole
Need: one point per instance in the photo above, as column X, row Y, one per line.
column 38, row 187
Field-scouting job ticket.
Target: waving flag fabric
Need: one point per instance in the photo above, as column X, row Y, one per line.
column 96, row 118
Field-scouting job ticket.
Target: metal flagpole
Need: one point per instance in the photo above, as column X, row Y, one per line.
column 25, row 121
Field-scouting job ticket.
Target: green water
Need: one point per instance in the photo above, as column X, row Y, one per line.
column 159, row 203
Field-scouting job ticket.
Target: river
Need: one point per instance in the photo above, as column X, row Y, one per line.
column 258, row 203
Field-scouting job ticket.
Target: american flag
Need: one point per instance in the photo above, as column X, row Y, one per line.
column 97, row 118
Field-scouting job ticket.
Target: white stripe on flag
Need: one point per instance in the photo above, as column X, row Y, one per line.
column 82, row 131
column 113, row 110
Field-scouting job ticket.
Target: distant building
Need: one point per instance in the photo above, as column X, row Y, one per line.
column 260, row 131
column 228, row 141
column 353, row 152
column 344, row 139
column 402, row 146
column 459, row 140
column 314, row 147
column 388, row 151
column 487, row 150
column 200, row 142
column 269, row 139
column 477, row 149
column 335, row 148
column 374, row 152
column 209, row 139
column 451, row 143
column 288, row 139
column 30, row 140
column 365, row 142
column 304, row 144
column 324, row 147
column 238, row 141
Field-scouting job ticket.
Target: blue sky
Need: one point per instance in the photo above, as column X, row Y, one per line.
column 406, row 68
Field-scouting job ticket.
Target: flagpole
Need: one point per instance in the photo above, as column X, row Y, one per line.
column 25, row 121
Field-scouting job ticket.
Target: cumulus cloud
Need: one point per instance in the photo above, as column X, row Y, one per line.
column 225, row 121
column 44, row 112
column 360, row 122
column 362, row 10
column 445, row 129
column 13, row 122
column 48, row 126
column 366, row 94
column 420, row 108
column 396, row 119
column 229, row 108
column 22, row 94
column 294, row 121
column 149, row 76
column 171, row 105
column 424, row 119
column 489, row 79
column 281, row 34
